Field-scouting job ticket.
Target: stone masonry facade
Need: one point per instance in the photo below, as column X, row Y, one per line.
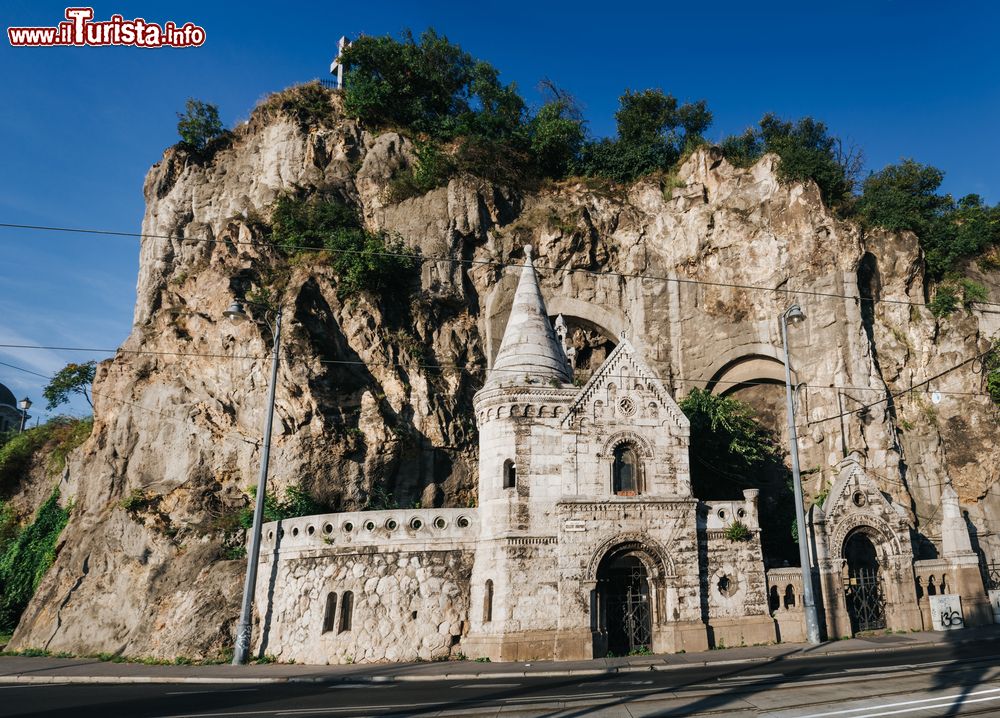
column 587, row 540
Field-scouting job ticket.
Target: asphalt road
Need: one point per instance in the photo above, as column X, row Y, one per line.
column 947, row 680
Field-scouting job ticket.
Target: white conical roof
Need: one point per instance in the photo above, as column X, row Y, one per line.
column 530, row 349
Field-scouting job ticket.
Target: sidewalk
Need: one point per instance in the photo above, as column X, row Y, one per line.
column 18, row 669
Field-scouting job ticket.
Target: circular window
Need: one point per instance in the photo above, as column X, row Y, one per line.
column 722, row 514
column 416, row 524
column 463, row 522
column 859, row 498
column 281, row 533
column 391, row 524
column 741, row 513
column 728, row 585
column 440, row 523
column 311, row 530
column 328, row 529
column 270, row 535
column 626, row 406
column 348, row 527
column 369, row 525
column 295, row 531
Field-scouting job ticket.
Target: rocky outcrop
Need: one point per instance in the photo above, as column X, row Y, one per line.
column 374, row 398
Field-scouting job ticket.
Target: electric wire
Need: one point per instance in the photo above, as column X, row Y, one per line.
column 487, row 262
column 470, row 369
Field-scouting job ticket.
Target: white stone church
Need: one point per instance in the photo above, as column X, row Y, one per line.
column 586, row 542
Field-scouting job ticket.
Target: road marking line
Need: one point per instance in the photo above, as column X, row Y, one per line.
column 753, row 678
column 191, row 693
column 487, row 685
column 958, row 703
column 912, row 703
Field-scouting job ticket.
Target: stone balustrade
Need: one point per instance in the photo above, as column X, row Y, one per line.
column 385, row 528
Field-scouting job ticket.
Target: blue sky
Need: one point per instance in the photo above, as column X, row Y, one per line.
column 80, row 127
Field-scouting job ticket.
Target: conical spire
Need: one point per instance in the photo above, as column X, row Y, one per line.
column 529, row 350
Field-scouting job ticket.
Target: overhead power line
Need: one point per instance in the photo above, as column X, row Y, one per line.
column 487, row 262
column 462, row 367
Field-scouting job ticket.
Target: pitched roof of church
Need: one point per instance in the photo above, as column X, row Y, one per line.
column 529, row 348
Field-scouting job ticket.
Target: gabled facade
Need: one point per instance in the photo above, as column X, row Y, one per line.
column 591, row 540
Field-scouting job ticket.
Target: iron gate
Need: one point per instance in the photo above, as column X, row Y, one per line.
column 991, row 575
column 865, row 600
column 629, row 624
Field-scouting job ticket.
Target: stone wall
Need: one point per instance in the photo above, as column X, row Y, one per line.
column 407, row 572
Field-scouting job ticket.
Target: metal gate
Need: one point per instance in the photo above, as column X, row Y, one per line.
column 991, row 575
column 865, row 600
column 629, row 625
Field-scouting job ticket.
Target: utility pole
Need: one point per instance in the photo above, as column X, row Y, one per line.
column 243, row 632
column 795, row 315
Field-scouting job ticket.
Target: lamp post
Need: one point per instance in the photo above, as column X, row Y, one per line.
column 25, row 404
column 242, row 649
column 795, row 315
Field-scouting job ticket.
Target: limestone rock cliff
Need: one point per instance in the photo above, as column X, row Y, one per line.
column 369, row 405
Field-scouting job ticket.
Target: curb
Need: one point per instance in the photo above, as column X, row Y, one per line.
column 430, row 677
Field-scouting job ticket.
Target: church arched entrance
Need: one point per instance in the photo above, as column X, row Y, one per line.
column 863, row 588
column 623, row 611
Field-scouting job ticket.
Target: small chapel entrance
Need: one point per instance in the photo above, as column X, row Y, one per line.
column 622, row 606
column 863, row 584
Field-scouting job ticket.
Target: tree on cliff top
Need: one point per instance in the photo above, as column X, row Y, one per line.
column 432, row 87
column 905, row 196
column 71, row 379
column 199, row 125
column 653, row 133
column 807, row 151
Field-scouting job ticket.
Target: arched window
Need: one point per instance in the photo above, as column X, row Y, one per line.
column 488, row 602
column 346, row 609
column 509, row 474
column 329, row 615
column 625, row 471
column 789, row 596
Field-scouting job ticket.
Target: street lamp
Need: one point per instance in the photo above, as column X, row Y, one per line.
column 795, row 315
column 236, row 313
column 25, row 404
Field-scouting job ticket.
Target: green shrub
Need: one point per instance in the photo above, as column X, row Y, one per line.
column 953, row 293
column 945, row 301
column 972, row 292
column 730, row 451
column 991, row 370
column 297, row 502
column 729, row 430
column 26, row 559
column 69, row 436
column 16, row 455
column 806, row 150
column 199, row 125
column 364, row 261
column 428, row 85
column 905, row 197
column 738, row 531
column 556, row 136
column 653, row 133
column 138, row 501
column 308, row 104
column 431, row 170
